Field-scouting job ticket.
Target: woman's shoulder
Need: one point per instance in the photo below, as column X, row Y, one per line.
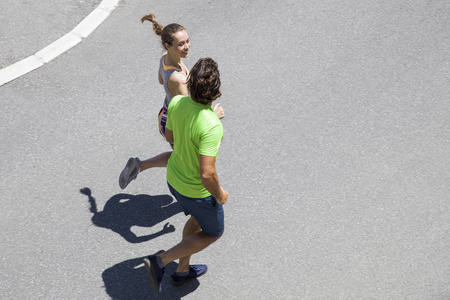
column 177, row 77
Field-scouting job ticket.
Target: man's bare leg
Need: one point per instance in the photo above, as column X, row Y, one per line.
column 191, row 227
column 188, row 246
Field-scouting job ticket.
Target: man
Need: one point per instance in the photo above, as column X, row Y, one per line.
column 196, row 132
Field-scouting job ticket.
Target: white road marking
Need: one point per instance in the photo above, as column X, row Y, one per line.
column 58, row 47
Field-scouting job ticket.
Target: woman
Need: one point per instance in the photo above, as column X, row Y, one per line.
column 172, row 74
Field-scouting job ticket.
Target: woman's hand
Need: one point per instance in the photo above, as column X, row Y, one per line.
column 219, row 111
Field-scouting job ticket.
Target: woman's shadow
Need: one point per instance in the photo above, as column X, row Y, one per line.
column 123, row 211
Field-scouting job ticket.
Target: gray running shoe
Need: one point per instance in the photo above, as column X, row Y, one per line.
column 130, row 172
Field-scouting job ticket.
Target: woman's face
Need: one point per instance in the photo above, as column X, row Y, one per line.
column 181, row 44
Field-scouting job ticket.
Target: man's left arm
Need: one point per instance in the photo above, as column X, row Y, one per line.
column 210, row 180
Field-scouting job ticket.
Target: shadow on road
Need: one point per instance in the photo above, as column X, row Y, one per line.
column 123, row 211
column 129, row 280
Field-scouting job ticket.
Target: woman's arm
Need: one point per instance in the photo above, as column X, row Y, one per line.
column 159, row 74
column 169, row 135
column 160, row 78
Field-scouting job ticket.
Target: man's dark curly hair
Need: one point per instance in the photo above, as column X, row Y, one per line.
column 204, row 81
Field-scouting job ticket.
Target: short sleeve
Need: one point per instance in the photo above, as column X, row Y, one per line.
column 210, row 141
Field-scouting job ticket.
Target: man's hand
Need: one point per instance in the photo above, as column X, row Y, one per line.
column 224, row 197
column 219, row 111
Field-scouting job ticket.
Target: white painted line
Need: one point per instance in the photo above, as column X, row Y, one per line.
column 108, row 5
column 58, row 47
column 61, row 45
column 91, row 22
column 19, row 68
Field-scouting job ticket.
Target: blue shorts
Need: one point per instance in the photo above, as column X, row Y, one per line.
column 207, row 211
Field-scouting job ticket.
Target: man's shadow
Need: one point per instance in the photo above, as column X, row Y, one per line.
column 130, row 280
column 123, row 211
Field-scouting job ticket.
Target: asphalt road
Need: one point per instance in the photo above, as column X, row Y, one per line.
column 336, row 152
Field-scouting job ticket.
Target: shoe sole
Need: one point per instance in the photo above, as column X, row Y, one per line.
column 178, row 283
column 151, row 274
column 126, row 172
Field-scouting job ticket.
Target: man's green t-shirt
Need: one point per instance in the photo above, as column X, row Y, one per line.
column 196, row 130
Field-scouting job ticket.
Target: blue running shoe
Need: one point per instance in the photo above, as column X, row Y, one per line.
column 154, row 271
column 195, row 271
column 130, row 172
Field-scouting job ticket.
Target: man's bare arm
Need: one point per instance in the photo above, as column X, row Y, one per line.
column 210, row 179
